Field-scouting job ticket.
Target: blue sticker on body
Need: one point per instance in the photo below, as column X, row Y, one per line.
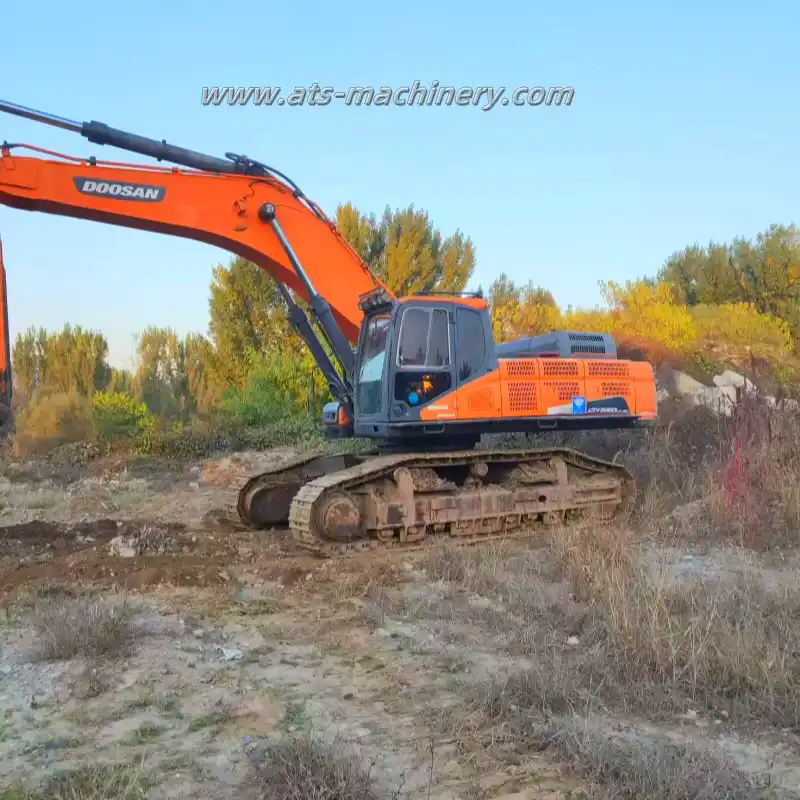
column 578, row 405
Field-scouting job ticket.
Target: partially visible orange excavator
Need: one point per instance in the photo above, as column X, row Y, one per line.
column 420, row 376
column 6, row 387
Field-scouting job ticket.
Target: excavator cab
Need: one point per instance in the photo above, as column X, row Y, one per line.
column 411, row 354
column 428, row 373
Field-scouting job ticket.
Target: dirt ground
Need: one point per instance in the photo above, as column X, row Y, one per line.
column 237, row 642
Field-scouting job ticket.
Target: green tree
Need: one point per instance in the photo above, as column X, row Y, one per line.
column 202, row 372
column 770, row 273
column 121, row 381
column 764, row 272
column 249, row 329
column 246, row 315
column 277, row 387
column 405, row 251
column 360, row 230
column 161, row 380
column 77, row 359
column 27, row 357
column 72, row 360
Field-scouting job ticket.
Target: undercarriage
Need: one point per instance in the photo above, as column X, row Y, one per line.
column 343, row 503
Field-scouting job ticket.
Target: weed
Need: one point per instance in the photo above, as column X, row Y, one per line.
column 296, row 717
column 169, row 704
column 637, row 767
column 303, row 767
column 89, row 627
column 209, row 721
column 613, row 631
column 146, row 732
column 730, row 647
column 116, row 782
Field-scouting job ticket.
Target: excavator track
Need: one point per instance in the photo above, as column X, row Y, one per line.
column 260, row 493
column 398, row 501
column 343, row 504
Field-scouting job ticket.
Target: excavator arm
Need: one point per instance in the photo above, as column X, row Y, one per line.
column 236, row 204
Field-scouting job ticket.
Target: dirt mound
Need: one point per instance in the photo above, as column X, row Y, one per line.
column 158, row 529
column 218, row 471
column 31, row 538
column 106, row 551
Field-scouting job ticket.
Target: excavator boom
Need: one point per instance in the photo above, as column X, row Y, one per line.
column 420, row 375
column 232, row 203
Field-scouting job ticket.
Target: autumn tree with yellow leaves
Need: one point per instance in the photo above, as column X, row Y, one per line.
column 520, row 310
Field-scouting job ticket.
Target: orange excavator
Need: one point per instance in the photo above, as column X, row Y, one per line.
column 420, row 376
column 6, row 387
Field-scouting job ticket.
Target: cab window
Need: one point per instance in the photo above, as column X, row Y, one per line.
column 470, row 344
column 424, row 339
column 370, row 375
column 423, row 356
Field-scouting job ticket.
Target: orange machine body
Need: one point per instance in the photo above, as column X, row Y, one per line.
column 531, row 387
column 540, row 387
column 436, row 371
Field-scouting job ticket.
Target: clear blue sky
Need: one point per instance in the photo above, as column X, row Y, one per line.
column 684, row 128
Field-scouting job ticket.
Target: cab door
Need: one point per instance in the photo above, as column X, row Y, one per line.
column 423, row 363
column 477, row 375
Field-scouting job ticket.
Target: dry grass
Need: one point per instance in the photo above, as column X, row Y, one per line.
column 117, row 782
column 524, row 712
column 591, row 625
column 642, row 646
column 519, row 600
column 648, row 768
column 67, row 627
column 604, row 631
column 301, row 767
column 640, row 642
column 741, row 474
column 732, row 648
column 51, row 419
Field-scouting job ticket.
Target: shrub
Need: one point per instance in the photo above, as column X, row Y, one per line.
column 742, row 324
column 188, row 442
column 89, row 627
column 51, row 419
column 279, row 389
column 118, row 415
column 302, row 766
column 639, row 311
column 259, row 402
column 290, row 430
column 99, row 782
column 198, row 441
